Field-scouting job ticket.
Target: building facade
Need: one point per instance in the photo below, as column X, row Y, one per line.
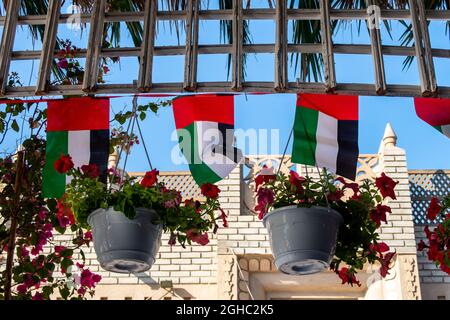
column 238, row 264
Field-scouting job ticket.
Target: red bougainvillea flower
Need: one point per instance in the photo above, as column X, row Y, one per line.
column 352, row 185
column 172, row 239
column 223, row 216
column 296, row 181
column 385, row 263
column 24, row 252
column 59, row 249
column 22, row 288
column 63, row 64
column 265, row 175
column 197, row 237
column 210, row 190
column 88, row 236
column 38, row 296
column 90, row 170
column 348, row 277
column 150, row 178
column 379, row 214
column 433, row 209
column 63, row 164
column 81, row 291
column 386, row 186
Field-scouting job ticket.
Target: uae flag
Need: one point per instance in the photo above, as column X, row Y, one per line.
column 205, row 128
column 78, row 127
column 435, row 112
column 326, row 133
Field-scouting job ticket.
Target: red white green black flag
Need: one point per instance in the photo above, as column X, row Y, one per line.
column 205, row 127
column 435, row 112
column 78, row 127
column 326, row 133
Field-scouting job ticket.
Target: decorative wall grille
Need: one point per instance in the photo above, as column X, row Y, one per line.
column 423, row 185
column 419, row 17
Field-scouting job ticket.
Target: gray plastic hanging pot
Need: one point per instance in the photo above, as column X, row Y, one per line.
column 303, row 240
column 125, row 245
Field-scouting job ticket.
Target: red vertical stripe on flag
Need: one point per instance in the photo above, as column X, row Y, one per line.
column 204, row 107
column 341, row 107
column 78, row 114
column 434, row 111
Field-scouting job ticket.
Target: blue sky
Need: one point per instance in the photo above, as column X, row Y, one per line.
column 426, row 148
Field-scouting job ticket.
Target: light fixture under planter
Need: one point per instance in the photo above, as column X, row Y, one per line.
column 125, row 245
column 303, row 240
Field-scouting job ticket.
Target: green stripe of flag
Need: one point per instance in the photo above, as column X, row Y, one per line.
column 201, row 172
column 305, row 128
column 54, row 183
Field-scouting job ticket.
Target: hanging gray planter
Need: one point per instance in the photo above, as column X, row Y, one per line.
column 303, row 240
column 124, row 245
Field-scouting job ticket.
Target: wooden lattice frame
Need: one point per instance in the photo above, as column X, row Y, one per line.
column 423, row 53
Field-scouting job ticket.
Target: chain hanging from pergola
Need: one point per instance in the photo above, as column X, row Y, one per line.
column 417, row 14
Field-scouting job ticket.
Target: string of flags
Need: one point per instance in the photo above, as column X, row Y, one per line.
column 325, row 133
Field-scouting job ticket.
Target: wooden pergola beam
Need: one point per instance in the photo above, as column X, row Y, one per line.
column 7, row 43
column 147, row 47
column 237, row 51
column 48, row 46
column 376, row 47
column 327, row 46
column 95, row 46
column 191, row 49
column 281, row 43
column 428, row 54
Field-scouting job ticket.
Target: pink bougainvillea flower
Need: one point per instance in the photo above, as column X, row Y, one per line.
column 64, row 215
column 433, row 209
column 38, row 296
column 63, row 63
column 386, row 186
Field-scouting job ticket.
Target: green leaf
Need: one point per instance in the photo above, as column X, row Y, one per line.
column 142, row 116
column 64, row 292
column 66, row 263
column 15, row 126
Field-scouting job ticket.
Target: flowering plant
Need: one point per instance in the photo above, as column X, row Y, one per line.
column 438, row 246
column 32, row 274
column 361, row 207
column 187, row 221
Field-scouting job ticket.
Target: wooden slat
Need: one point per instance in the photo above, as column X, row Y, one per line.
column 327, row 45
column 237, row 52
column 268, row 87
column 48, row 46
column 428, row 54
column 147, row 47
column 95, row 45
column 191, row 50
column 281, row 69
column 420, row 53
column 377, row 54
column 7, row 43
column 254, row 14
